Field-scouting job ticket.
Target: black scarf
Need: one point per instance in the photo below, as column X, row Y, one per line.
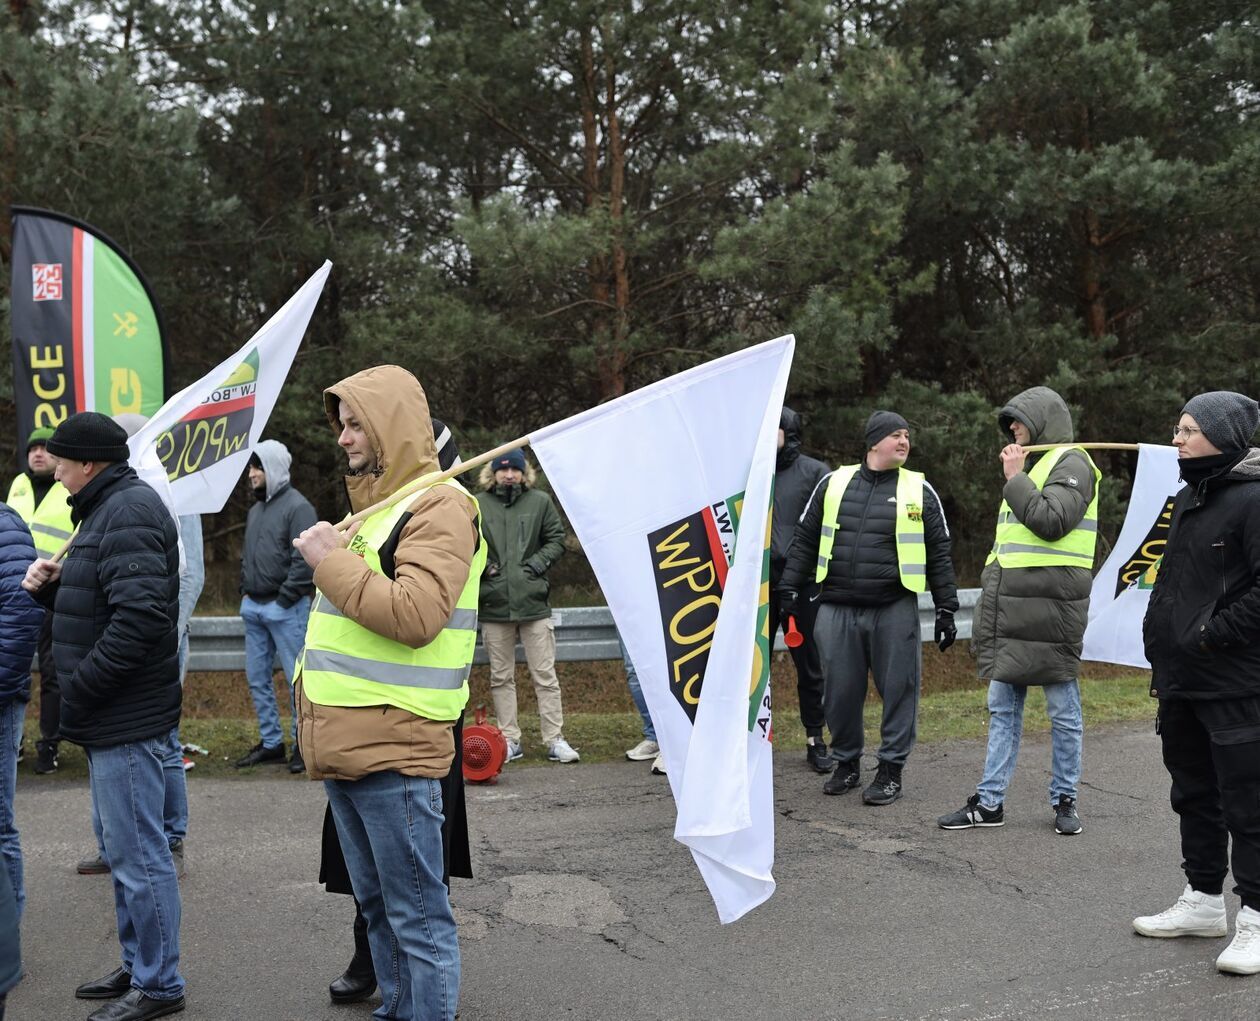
column 1197, row 470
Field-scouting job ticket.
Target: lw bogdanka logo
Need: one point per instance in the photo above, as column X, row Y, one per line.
column 216, row 428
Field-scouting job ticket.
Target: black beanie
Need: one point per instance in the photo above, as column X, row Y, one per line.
column 881, row 424
column 1227, row 419
column 89, row 436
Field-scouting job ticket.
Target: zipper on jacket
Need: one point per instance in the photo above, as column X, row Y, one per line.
column 870, row 494
column 1220, row 545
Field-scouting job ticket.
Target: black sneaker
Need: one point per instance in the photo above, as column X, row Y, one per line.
column 844, row 779
column 1066, row 821
column 296, row 762
column 886, row 787
column 972, row 814
column 818, row 755
column 261, row 753
column 45, row 757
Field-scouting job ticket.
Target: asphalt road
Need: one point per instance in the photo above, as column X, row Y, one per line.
column 584, row 907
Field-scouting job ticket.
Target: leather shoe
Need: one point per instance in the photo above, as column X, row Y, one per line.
column 296, row 763
column 352, row 987
column 135, row 1006
column 114, row 984
column 261, row 753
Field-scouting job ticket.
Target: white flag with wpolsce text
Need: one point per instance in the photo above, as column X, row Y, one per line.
column 1122, row 588
column 669, row 490
column 202, row 436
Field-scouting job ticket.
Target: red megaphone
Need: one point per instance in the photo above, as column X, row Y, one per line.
column 792, row 638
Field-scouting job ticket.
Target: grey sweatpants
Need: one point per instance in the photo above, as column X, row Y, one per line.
column 881, row 640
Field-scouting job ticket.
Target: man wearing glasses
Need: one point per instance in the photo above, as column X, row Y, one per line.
column 1202, row 635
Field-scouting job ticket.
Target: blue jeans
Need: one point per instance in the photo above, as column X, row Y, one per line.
column 1006, row 723
column 636, row 692
column 11, row 718
column 128, row 792
column 271, row 629
column 174, row 803
column 390, row 827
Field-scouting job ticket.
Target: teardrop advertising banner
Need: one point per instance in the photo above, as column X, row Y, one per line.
column 87, row 331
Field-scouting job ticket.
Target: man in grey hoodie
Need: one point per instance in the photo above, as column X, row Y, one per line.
column 276, row 589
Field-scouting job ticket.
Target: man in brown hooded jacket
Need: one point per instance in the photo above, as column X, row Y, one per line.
column 383, row 678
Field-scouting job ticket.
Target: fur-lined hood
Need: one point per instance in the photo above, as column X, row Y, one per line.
column 486, row 479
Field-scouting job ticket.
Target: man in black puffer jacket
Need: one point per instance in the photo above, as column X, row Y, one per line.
column 874, row 535
column 796, row 476
column 116, row 602
column 1202, row 636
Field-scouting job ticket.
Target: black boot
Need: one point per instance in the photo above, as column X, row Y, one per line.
column 359, row 979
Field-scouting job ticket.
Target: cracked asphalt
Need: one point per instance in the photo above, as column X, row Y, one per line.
column 584, row 906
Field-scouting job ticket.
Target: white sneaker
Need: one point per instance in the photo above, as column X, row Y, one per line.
column 1194, row 914
column 658, row 765
column 643, row 751
column 514, row 751
column 562, row 751
column 1242, row 956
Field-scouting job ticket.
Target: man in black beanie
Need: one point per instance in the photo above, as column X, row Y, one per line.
column 874, row 536
column 1202, row 636
column 115, row 598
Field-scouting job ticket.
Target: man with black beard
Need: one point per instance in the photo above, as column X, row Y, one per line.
column 276, row 590
column 796, row 476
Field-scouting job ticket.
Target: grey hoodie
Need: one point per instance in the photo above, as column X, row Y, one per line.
column 270, row 567
column 1030, row 621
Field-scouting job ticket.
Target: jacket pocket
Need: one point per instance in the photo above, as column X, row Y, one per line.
column 1188, row 631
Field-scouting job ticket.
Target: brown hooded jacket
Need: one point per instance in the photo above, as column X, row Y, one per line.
column 432, row 551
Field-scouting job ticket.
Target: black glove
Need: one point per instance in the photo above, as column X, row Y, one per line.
column 788, row 599
column 946, row 632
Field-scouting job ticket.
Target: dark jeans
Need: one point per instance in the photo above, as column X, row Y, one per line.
column 809, row 675
column 49, row 689
column 1212, row 752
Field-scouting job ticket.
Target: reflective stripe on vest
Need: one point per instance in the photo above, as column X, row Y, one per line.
column 1014, row 545
column 911, row 548
column 50, row 522
column 345, row 664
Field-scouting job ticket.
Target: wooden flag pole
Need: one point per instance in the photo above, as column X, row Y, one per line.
column 1038, row 447
column 425, row 481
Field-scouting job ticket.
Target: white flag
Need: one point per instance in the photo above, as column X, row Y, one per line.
column 1122, row 588
column 669, row 491
column 203, row 435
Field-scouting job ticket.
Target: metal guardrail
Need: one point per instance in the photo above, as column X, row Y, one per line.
column 583, row 634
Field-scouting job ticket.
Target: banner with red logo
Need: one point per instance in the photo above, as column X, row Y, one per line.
column 87, row 331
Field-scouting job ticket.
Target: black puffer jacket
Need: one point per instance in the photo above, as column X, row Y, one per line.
column 116, row 604
column 795, row 478
column 1208, row 580
column 863, row 569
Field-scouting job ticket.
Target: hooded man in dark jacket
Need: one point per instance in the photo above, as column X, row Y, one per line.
column 873, row 535
column 1034, row 604
column 796, row 476
column 1202, row 636
column 116, row 602
column 276, row 590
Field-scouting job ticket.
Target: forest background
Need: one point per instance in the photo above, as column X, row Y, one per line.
column 537, row 206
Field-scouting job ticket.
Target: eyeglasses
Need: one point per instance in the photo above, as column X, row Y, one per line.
column 1186, row 431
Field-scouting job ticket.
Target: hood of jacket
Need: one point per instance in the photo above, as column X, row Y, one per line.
column 1043, row 411
column 790, row 423
column 275, row 459
column 391, row 406
column 1248, row 469
column 485, row 479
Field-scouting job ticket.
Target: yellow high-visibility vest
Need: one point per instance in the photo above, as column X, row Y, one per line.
column 911, row 548
column 50, row 522
column 1014, row 545
column 345, row 664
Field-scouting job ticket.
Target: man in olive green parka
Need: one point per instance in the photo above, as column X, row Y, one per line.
column 524, row 537
column 1034, row 604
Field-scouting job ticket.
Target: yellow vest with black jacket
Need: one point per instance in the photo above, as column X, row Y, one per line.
column 49, row 522
column 345, row 664
column 908, row 535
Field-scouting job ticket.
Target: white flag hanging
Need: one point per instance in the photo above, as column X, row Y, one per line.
column 203, row 435
column 669, row 490
column 1122, row 588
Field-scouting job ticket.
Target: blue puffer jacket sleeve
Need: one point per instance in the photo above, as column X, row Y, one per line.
column 20, row 616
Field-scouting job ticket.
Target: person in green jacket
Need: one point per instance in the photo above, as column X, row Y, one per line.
column 524, row 537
